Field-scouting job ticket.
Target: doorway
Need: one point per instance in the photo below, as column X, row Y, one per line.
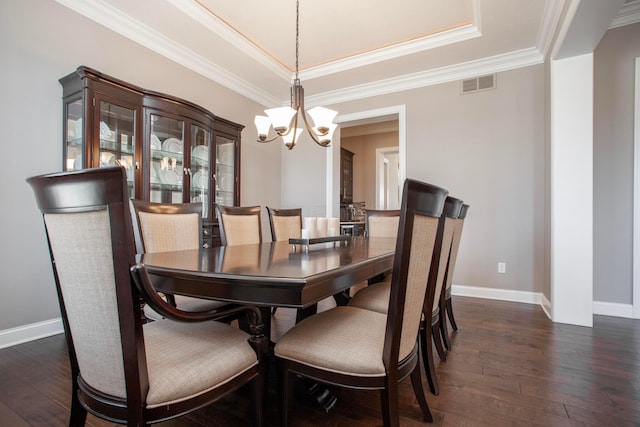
column 364, row 117
column 388, row 178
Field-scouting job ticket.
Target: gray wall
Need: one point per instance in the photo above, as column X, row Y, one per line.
column 614, row 71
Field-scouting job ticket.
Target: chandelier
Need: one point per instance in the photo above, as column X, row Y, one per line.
column 285, row 120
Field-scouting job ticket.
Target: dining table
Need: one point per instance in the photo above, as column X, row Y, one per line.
column 271, row 274
column 274, row 274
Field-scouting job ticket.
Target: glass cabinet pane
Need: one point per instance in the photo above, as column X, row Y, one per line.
column 200, row 169
column 74, row 136
column 117, row 139
column 225, row 171
column 166, row 168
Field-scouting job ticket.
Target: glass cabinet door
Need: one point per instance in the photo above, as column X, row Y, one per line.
column 200, row 168
column 225, row 191
column 166, row 167
column 74, row 136
column 116, row 133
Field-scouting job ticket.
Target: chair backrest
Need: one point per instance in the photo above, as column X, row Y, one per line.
column 455, row 245
column 442, row 249
column 91, row 244
column 239, row 225
column 420, row 211
column 381, row 223
column 163, row 227
column 285, row 223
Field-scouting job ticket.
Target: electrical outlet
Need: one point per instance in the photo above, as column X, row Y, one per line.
column 502, row 267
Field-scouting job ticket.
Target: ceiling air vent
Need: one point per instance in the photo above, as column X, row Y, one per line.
column 479, row 83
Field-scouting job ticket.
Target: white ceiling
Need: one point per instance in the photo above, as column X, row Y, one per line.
column 348, row 49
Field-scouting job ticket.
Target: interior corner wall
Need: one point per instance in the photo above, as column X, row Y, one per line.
column 571, row 171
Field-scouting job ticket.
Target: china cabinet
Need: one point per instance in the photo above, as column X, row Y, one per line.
column 173, row 150
column 346, row 176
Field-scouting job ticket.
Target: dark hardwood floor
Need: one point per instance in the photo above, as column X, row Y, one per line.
column 510, row 366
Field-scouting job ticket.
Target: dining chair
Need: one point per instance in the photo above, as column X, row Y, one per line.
column 285, row 223
column 376, row 297
column 165, row 227
column 362, row 349
column 381, row 223
column 124, row 370
column 445, row 301
column 239, row 225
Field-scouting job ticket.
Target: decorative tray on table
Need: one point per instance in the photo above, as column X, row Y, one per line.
column 307, row 242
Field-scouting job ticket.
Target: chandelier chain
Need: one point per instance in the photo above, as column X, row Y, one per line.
column 297, row 34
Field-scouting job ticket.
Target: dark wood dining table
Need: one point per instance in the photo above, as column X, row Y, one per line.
column 272, row 274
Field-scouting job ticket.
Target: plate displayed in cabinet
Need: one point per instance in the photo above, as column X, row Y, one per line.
column 172, row 145
column 226, row 183
column 154, row 176
column 226, row 158
column 105, row 132
column 201, row 152
column 107, row 159
column 155, row 142
column 169, row 176
column 200, row 180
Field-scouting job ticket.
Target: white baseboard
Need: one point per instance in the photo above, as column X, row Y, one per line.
column 497, row 294
column 613, row 309
column 599, row 308
column 34, row 331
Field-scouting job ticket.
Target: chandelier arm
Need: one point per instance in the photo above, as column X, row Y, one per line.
column 269, row 140
column 311, row 132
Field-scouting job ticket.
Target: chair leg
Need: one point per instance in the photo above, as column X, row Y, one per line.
column 444, row 331
column 389, row 402
column 78, row 413
column 437, row 340
column 418, row 390
column 259, row 394
column 427, row 360
column 286, row 391
column 450, row 314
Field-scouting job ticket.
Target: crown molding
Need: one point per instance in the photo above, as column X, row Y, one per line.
column 550, row 19
column 494, row 64
column 629, row 14
column 444, row 38
column 110, row 17
column 146, row 36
